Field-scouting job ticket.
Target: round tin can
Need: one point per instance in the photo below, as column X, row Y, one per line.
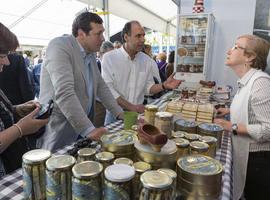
column 173, row 175
column 86, row 181
column 118, row 182
column 125, row 161
column 163, row 121
column 182, row 147
column 121, row 144
column 105, row 158
column 33, row 170
column 197, row 147
column 149, row 114
column 185, row 125
column 140, row 168
column 58, row 177
column 178, row 134
column 212, row 142
column 211, row 129
column 86, row 154
column 156, row 185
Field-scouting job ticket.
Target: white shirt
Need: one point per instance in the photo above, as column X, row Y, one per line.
column 130, row 79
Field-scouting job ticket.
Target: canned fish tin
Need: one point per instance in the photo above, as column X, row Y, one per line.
column 118, row 182
column 173, row 175
column 149, row 113
column 185, row 125
column 105, row 158
column 86, row 154
column 182, row 147
column 212, row 142
column 163, row 121
column 33, row 169
column 197, row 147
column 211, row 129
column 125, row 161
column 86, row 181
column 178, row 134
column 156, row 185
column 58, row 177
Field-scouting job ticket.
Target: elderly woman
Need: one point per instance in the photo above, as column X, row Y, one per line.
column 250, row 118
column 12, row 140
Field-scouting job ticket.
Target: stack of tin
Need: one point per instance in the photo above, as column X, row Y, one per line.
column 199, row 177
column 185, row 125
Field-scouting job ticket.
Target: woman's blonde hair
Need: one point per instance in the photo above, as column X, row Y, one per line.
column 259, row 48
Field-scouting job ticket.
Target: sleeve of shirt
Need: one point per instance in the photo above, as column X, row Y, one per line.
column 86, row 132
column 260, row 107
column 107, row 74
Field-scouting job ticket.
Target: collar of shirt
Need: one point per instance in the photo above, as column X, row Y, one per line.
column 127, row 55
column 244, row 80
column 84, row 54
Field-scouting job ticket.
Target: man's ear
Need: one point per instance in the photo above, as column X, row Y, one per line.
column 125, row 37
column 81, row 33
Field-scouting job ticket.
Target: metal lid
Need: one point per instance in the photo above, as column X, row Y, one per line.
column 192, row 137
column 155, row 180
column 119, row 173
column 164, row 115
column 141, row 166
column 86, row 152
column 125, row 161
column 60, row 162
column 104, row 156
column 211, row 127
column 208, row 139
column 87, row 169
column 185, row 123
column 151, row 107
column 181, row 142
column 197, row 145
column 170, row 172
column 200, row 165
column 36, row 156
column 120, row 138
column 178, row 134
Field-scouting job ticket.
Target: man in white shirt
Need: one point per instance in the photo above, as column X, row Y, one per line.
column 128, row 71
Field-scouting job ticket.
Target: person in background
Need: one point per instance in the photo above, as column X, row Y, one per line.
column 128, row 71
column 117, row 44
column 71, row 78
column 147, row 49
column 161, row 62
column 170, row 66
column 249, row 118
column 14, row 81
column 36, row 77
column 13, row 142
column 26, row 60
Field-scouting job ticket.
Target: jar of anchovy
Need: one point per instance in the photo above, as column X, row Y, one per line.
column 163, row 121
column 173, row 175
column 58, row 177
column 86, row 181
column 118, row 182
column 197, row 147
column 149, row 114
column 182, row 147
column 86, row 154
column 156, row 185
column 105, row 158
column 192, row 137
column 178, row 134
column 33, row 170
column 212, row 142
column 126, row 161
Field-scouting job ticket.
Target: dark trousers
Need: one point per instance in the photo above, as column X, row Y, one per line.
column 258, row 176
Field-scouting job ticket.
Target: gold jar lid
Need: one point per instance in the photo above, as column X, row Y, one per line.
column 178, row 134
column 200, row 146
column 119, row 173
column 150, row 107
column 120, row 138
column 164, row 115
column 104, row 156
column 126, row 161
column 87, row 169
column 208, row 139
column 192, row 137
column 36, row 156
column 181, row 142
column 170, row 172
column 155, row 180
column 141, row 166
column 60, row 162
column 86, row 152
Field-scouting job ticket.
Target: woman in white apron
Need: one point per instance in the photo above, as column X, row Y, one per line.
column 250, row 118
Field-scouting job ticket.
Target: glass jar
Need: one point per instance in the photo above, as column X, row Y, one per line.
column 182, row 147
column 212, row 142
column 86, row 154
column 163, row 121
column 173, row 175
column 149, row 114
column 126, row 161
column 197, row 147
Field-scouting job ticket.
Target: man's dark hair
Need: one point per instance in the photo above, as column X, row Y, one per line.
column 127, row 29
column 83, row 20
column 8, row 40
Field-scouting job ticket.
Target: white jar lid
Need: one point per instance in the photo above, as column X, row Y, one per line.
column 119, row 173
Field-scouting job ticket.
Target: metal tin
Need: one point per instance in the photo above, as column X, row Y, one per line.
column 185, row 125
column 86, row 181
column 210, row 129
column 156, row 185
column 140, row 168
column 163, row 121
column 192, row 137
column 182, row 147
column 197, row 147
column 33, row 170
column 212, row 142
column 118, row 182
column 166, row 158
column 86, row 154
column 105, row 158
column 178, row 134
column 121, row 144
column 149, row 113
column 173, row 175
column 125, row 161
column 58, row 177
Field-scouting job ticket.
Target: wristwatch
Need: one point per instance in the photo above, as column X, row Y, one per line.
column 234, row 129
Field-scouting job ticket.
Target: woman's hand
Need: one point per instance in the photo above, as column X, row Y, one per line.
column 24, row 109
column 221, row 112
column 227, row 125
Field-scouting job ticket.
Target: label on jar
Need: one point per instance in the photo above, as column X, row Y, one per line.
column 117, row 191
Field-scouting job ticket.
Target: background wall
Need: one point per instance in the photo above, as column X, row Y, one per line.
column 232, row 19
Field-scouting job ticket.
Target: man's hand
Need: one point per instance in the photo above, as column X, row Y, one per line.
column 221, row 112
column 97, row 133
column 138, row 108
column 172, row 83
column 227, row 125
column 26, row 108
